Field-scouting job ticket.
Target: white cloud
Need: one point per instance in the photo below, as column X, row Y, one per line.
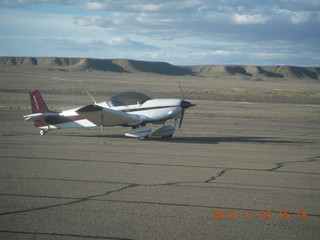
column 295, row 17
column 142, row 5
column 146, row 7
column 248, row 19
column 211, row 53
column 93, row 5
column 89, row 44
column 185, row 31
column 299, row 17
column 18, row 3
column 94, row 20
column 299, row 5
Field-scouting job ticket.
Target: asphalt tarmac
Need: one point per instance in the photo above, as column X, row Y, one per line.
column 222, row 178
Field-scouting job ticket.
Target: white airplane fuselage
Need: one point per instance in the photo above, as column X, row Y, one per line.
column 151, row 111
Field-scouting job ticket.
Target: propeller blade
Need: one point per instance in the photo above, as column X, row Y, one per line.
column 182, row 95
column 181, row 118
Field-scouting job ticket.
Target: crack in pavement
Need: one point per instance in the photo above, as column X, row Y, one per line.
column 186, row 182
column 132, row 185
column 63, row 235
column 129, row 186
column 282, row 164
column 187, row 205
column 112, row 161
column 218, row 175
column 279, row 165
column 77, row 200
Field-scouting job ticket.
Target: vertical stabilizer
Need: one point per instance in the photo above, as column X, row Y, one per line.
column 37, row 103
column 38, row 106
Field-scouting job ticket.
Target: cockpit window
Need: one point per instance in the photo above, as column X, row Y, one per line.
column 127, row 98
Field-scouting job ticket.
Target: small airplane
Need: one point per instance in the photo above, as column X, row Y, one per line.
column 127, row 109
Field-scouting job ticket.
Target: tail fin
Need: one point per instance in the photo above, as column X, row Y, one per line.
column 37, row 103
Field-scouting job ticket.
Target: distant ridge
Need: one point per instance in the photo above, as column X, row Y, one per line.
column 256, row 72
column 92, row 64
column 131, row 66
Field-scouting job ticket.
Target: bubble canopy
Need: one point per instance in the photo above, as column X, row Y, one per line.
column 127, row 98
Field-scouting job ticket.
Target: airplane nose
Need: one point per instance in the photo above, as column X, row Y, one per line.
column 185, row 104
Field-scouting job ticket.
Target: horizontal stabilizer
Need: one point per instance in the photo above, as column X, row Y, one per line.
column 107, row 117
column 40, row 116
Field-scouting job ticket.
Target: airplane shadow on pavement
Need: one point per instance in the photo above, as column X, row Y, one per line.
column 217, row 140
column 210, row 140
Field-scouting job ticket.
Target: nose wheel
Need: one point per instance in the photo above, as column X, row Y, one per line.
column 42, row 132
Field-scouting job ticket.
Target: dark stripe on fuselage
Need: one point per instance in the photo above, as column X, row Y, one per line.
column 147, row 108
column 60, row 120
column 63, row 119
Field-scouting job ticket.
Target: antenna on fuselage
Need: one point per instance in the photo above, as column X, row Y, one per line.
column 91, row 97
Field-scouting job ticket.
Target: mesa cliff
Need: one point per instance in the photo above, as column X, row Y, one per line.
column 132, row 66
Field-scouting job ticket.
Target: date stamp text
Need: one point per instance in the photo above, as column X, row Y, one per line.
column 263, row 214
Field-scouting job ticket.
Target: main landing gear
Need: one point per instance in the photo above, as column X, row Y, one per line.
column 143, row 132
column 43, row 132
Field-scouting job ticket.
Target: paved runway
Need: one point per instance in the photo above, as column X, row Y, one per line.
column 225, row 178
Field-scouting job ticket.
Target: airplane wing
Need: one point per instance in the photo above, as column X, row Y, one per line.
column 107, row 117
column 40, row 116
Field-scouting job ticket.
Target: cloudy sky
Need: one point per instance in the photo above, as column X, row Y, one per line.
column 181, row 32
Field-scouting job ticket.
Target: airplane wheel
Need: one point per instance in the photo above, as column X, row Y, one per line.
column 42, row 132
column 167, row 137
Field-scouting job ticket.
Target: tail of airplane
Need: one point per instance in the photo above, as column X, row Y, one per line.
column 37, row 103
column 40, row 111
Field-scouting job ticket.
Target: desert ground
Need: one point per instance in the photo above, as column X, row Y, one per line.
column 244, row 166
